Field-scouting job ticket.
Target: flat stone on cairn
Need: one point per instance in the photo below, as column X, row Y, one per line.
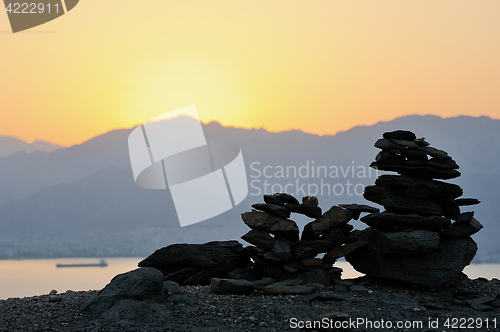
column 414, row 239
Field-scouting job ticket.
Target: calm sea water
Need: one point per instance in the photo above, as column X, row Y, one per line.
column 20, row 278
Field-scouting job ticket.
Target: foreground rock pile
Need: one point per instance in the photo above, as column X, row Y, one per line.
column 278, row 251
column 414, row 240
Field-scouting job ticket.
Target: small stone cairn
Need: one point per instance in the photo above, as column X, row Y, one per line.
column 280, row 254
column 414, row 239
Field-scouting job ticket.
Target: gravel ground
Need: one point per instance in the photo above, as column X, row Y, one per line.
column 197, row 308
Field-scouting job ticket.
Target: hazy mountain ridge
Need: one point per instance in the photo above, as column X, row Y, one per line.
column 10, row 145
column 87, row 193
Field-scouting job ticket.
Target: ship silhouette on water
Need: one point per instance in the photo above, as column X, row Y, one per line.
column 102, row 263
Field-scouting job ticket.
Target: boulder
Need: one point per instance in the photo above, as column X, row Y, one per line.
column 407, row 243
column 231, row 286
column 139, row 284
column 168, row 258
column 467, row 201
column 417, row 171
column 428, row 270
column 317, row 276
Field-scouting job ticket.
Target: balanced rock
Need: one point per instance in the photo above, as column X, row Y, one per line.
column 272, row 224
column 428, row 270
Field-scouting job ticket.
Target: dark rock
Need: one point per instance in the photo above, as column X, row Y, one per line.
column 241, row 273
column 264, row 281
column 388, row 145
column 305, row 209
column 282, row 250
column 336, row 253
column 303, row 253
column 334, row 272
column 482, row 307
column 442, row 163
column 407, row 243
column 391, row 222
column 287, row 198
column 270, row 256
column 271, row 199
column 433, row 152
column 317, row 276
column 232, row 245
column 273, row 209
column 417, row 171
column 272, row 224
column 408, row 144
column 459, row 230
column 415, row 154
column 139, row 284
column 231, row 286
column 203, row 277
column 438, row 189
column 326, row 222
column 386, row 157
column 310, row 200
column 429, row 270
column 316, row 245
column 182, row 274
column 377, row 193
column 411, row 205
column 279, row 273
column 312, row 262
column 335, row 236
column 449, row 207
column 177, row 255
column 400, row 134
column 203, row 263
column 259, row 238
column 467, row 201
column 352, row 236
column 171, row 287
column 358, row 208
column 465, row 217
column 481, row 300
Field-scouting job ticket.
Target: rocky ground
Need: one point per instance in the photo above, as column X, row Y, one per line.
column 467, row 305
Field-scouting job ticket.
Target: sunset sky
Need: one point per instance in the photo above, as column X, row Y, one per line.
column 321, row 66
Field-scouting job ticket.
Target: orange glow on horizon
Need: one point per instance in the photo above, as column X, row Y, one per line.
column 318, row 66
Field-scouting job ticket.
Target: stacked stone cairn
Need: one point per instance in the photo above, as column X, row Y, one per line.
column 280, row 254
column 414, row 240
column 279, row 260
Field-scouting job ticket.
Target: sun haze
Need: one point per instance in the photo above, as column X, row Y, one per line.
column 321, row 66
